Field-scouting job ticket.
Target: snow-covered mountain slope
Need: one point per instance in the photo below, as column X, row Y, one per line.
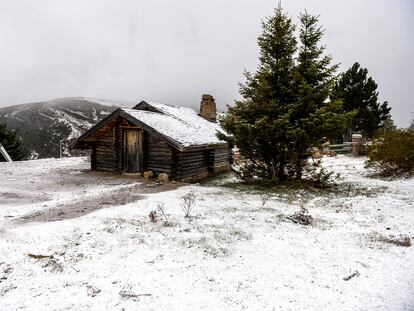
column 43, row 125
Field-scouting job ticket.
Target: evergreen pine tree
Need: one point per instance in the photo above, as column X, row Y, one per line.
column 411, row 126
column 388, row 126
column 313, row 116
column 359, row 92
column 257, row 124
column 285, row 108
column 11, row 142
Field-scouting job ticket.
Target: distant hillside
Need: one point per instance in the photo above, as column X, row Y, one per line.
column 43, row 125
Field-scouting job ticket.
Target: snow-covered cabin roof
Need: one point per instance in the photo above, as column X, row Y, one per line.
column 181, row 126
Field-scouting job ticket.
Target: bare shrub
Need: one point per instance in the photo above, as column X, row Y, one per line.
column 161, row 210
column 301, row 217
column 188, row 203
column 153, row 216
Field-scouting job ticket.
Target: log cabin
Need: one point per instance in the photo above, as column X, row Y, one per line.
column 159, row 138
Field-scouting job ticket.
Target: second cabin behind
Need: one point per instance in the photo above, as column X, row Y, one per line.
column 159, row 138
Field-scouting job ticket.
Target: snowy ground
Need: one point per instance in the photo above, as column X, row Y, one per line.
column 239, row 251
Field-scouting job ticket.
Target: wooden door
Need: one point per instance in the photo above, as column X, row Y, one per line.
column 133, row 150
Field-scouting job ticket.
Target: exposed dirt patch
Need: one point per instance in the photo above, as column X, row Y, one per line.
column 58, row 189
column 82, row 206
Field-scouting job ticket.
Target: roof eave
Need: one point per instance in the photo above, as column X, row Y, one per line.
column 79, row 143
column 203, row 147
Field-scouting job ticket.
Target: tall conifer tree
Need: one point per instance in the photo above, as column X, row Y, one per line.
column 359, row 93
column 312, row 115
column 285, row 108
column 257, row 123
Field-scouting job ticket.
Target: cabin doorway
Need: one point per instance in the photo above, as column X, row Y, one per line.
column 133, row 150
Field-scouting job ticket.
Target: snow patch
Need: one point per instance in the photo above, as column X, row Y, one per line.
column 237, row 251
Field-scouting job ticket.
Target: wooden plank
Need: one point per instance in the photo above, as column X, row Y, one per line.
column 5, row 154
column 104, row 153
column 192, row 169
column 159, row 155
column 196, row 177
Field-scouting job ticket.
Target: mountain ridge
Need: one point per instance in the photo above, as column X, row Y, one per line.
column 43, row 125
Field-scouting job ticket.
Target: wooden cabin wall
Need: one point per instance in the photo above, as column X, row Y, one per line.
column 159, row 156
column 108, row 150
column 104, row 155
column 192, row 165
column 195, row 165
column 221, row 159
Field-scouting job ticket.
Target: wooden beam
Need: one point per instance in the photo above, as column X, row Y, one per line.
column 5, row 154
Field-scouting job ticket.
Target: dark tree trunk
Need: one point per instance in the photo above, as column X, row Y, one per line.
column 299, row 168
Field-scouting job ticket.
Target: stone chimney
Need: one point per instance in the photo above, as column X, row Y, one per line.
column 208, row 108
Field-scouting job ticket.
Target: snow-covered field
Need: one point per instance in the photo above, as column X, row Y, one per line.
column 238, row 251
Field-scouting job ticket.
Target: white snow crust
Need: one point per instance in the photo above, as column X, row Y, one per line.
column 238, row 251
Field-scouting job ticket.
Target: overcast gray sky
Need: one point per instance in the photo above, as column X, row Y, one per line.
column 173, row 51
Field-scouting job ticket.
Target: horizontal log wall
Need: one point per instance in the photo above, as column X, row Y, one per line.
column 159, row 155
column 193, row 165
column 105, row 157
column 221, row 159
